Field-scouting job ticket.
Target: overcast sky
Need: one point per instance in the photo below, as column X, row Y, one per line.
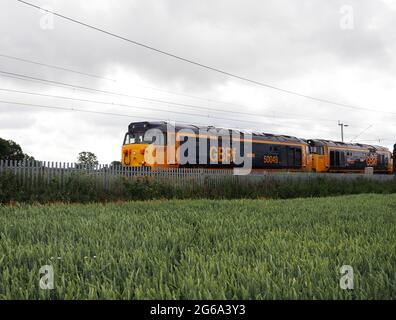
column 342, row 51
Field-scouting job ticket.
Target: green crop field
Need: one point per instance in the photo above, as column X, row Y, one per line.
column 201, row 249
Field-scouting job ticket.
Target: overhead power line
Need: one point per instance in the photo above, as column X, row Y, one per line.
column 131, row 106
column 56, row 67
column 377, row 140
column 17, row 75
column 161, row 90
column 229, row 74
column 63, row 84
column 67, row 109
column 145, row 108
column 114, row 80
column 94, row 112
column 363, row 131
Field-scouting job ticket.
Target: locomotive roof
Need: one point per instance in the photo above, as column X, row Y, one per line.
column 162, row 125
column 330, row 143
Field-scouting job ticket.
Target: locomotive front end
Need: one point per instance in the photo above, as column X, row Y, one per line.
column 135, row 146
column 145, row 145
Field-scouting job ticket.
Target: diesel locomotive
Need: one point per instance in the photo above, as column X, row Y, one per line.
column 268, row 152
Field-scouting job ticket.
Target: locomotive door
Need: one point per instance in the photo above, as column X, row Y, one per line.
column 294, row 157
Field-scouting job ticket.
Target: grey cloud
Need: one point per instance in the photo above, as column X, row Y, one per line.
column 294, row 44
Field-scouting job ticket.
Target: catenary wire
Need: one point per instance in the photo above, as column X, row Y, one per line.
column 63, row 84
column 229, row 74
column 130, row 106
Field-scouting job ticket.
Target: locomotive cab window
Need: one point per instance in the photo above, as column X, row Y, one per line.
column 317, row 150
column 129, row 139
column 134, row 138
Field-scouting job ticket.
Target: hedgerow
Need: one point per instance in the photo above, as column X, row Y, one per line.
column 84, row 188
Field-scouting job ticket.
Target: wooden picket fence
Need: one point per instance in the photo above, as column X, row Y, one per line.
column 33, row 173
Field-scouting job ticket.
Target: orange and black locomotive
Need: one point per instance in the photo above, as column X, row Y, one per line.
column 267, row 152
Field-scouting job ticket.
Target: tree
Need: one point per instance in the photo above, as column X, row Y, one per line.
column 87, row 158
column 116, row 164
column 10, row 150
column 28, row 158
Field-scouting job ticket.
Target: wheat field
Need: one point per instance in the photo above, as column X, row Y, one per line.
column 201, row 249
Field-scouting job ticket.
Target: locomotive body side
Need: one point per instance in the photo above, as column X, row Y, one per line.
column 268, row 152
column 339, row 157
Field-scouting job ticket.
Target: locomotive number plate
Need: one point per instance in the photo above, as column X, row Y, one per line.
column 271, row 159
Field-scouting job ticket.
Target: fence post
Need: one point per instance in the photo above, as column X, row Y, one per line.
column 22, row 172
column 34, row 173
column 107, row 177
